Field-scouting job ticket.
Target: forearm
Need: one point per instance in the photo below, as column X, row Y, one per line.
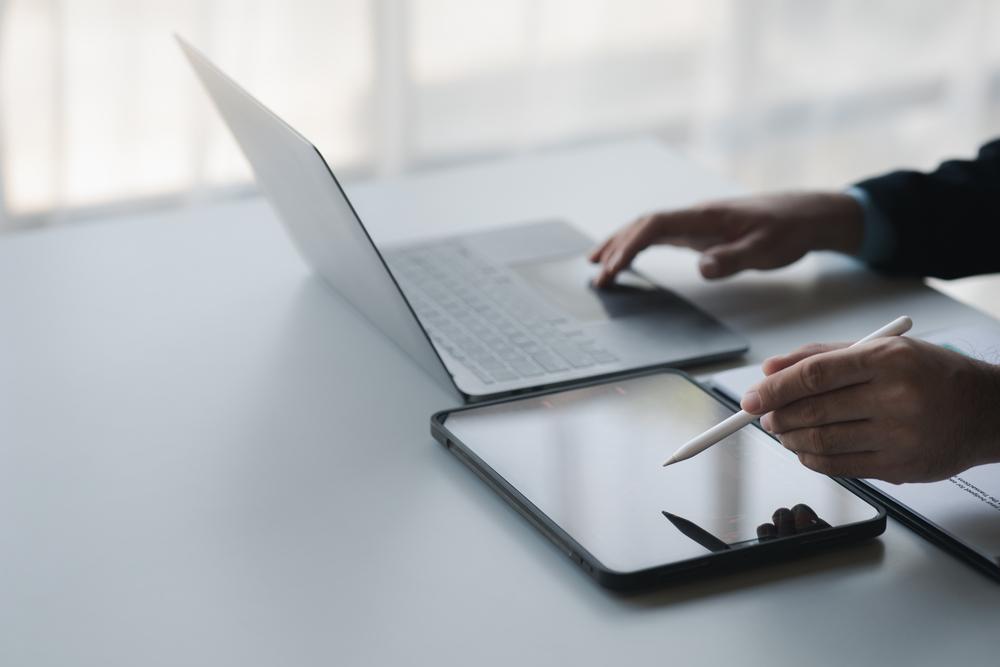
column 943, row 223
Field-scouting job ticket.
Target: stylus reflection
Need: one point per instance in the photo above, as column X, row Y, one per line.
column 784, row 523
column 696, row 533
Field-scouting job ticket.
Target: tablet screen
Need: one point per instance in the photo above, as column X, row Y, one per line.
column 591, row 460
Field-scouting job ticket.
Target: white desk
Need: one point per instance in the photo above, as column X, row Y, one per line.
column 206, row 457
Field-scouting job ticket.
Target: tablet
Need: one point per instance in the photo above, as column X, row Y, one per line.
column 584, row 465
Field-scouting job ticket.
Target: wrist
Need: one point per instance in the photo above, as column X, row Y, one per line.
column 840, row 226
column 987, row 415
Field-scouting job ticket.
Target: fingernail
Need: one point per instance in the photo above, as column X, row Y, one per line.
column 765, row 423
column 768, row 363
column 709, row 266
column 751, row 402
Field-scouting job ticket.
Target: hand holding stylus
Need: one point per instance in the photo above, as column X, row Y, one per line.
column 896, row 408
column 737, row 421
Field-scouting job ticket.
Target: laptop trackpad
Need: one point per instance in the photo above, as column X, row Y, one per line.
column 565, row 283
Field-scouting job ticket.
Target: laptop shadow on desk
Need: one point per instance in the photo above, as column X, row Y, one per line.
column 765, row 301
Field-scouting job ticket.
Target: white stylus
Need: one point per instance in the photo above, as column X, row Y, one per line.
column 723, row 429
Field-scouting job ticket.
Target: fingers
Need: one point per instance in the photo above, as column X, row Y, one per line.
column 688, row 227
column 724, row 260
column 610, row 252
column 774, row 364
column 817, row 374
column 619, row 251
column 841, row 405
column 833, row 439
column 606, row 256
column 860, row 465
column 597, row 253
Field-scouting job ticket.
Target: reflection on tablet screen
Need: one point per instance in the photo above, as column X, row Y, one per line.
column 590, row 459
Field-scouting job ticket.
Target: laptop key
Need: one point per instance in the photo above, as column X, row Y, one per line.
column 486, row 361
column 503, row 376
column 478, row 314
column 531, row 347
column 602, row 356
column 482, row 375
column 526, row 368
column 550, row 362
column 510, row 354
column 492, row 365
column 575, row 358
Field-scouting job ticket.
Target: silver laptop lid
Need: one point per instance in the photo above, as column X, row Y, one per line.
column 325, row 227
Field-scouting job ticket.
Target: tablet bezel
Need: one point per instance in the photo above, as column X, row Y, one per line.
column 715, row 563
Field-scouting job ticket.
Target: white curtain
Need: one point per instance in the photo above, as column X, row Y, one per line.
column 98, row 110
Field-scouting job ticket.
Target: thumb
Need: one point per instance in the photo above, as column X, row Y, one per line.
column 725, row 260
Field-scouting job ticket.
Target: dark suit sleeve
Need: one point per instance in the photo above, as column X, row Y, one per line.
column 947, row 222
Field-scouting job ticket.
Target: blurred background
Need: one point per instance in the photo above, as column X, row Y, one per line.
column 99, row 113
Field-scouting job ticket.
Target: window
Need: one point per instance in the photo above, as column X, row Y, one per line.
column 98, row 108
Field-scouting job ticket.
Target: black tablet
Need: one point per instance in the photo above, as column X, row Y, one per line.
column 584, row 465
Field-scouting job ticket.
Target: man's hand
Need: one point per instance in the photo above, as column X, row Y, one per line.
column 762, row 232
column 896, row 409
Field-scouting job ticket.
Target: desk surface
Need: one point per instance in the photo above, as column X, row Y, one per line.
column 207, row 457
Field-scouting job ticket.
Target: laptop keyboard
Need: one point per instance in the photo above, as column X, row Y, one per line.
column 481, row 315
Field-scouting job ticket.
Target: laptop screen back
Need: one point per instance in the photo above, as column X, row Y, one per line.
column 309, row 200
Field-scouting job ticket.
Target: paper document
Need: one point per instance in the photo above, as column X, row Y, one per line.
column 978, row 342
column 735, row 382
column 966, row 506
column 981, row 343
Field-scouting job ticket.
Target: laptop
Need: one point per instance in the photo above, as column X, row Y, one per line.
column 487, row 314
